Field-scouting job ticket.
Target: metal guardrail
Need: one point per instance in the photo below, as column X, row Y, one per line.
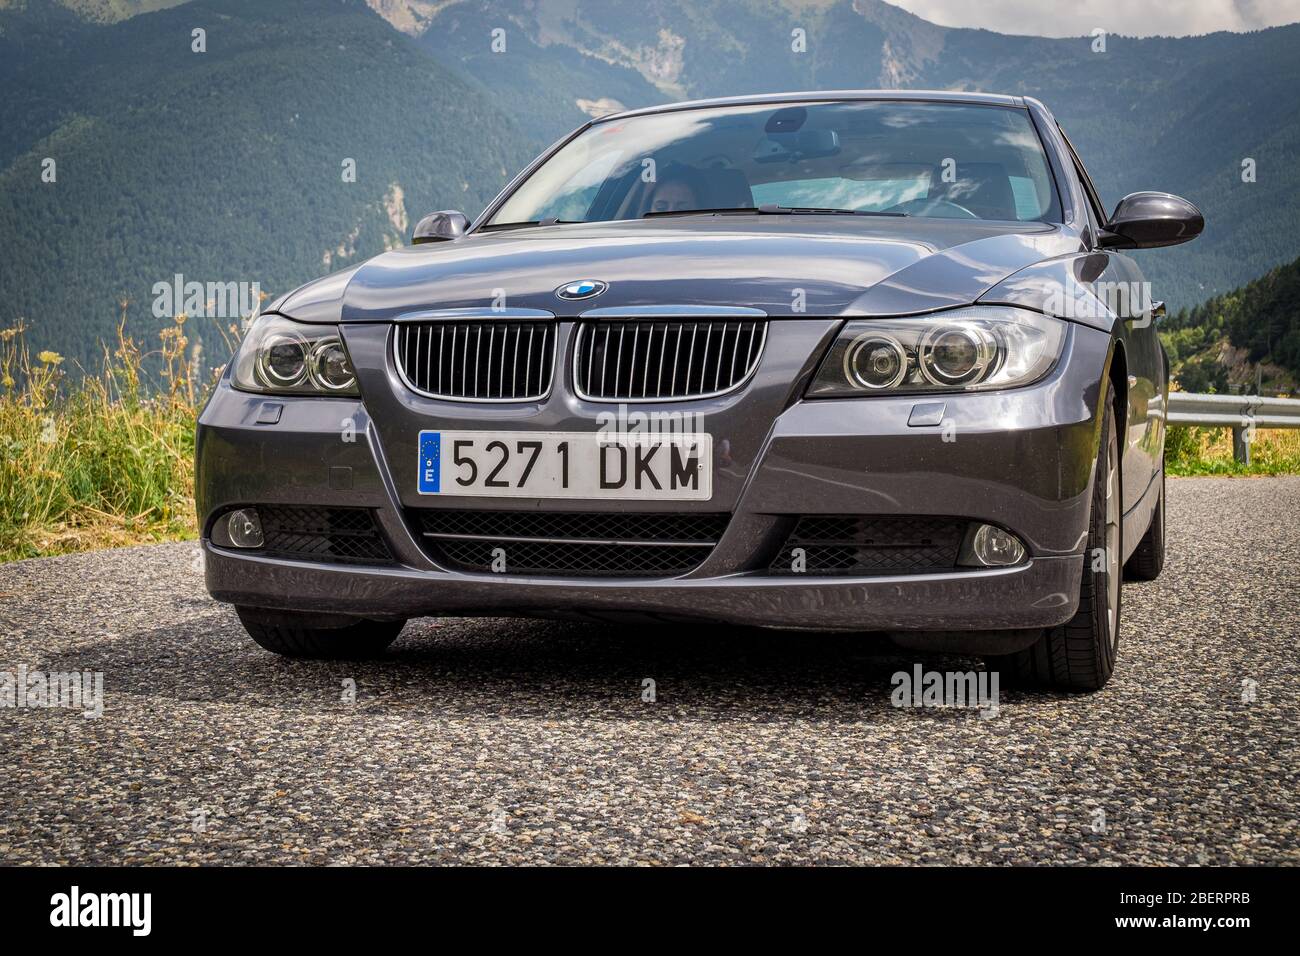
column 1242, row 413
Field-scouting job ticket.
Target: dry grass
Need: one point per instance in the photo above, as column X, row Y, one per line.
column 1208, row 451
column 108, row 462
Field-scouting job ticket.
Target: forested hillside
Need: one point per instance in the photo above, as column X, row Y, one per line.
column 222, row 166
column 1222, row 341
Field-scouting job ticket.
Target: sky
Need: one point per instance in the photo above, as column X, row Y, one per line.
column 1068, row 18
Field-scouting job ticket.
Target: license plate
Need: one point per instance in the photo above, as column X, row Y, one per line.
column 671, row 467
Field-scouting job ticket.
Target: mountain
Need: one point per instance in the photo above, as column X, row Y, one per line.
column 222, row 166
column 549, row 87
column 1228, row 339
column 103, row 11
column 225, row 165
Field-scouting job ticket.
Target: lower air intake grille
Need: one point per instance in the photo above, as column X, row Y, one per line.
column 490, row 361
column 832, row 544
column 579, row 544
column 644, row 360
column 347, row 535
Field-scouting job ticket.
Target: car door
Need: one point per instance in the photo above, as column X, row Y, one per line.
column 1124, row 288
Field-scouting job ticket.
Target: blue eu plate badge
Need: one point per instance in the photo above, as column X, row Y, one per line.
column 430, row 463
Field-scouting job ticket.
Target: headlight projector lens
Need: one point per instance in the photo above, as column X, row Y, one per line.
column 284, row 361
column 875, row 360
column 955, row 356
column 329, row 365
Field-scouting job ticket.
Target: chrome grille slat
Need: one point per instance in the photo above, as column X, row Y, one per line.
column 636, row 337
column 663, row 349
column 602, row 364
column 695, row 329
column 618, row 360
column 466, row 384
column 416, row 352
column 442, row 341
column 478, row 348
column 611, row 365
column 432, row 363
column 677, row 351
column 451, row 385
column 735, row 351
column 507, row 361
column 528, row 360
column 704, row 359
column 722, row 348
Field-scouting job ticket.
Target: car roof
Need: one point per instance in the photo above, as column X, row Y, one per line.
column 930, row 96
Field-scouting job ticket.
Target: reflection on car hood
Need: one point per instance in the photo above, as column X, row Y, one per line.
column 784, row 265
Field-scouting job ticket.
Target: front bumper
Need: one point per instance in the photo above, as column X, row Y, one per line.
column 1041, row 593
column 1020, row 458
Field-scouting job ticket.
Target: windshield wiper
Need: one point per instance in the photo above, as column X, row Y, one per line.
column 703, row 212
column 826, row 211
column 769, row 210
column 530, row 222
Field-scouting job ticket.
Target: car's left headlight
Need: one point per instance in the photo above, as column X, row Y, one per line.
column 974, row 348
column 283, row 357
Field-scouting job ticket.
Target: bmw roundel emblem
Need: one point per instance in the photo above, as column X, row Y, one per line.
column 582, row 289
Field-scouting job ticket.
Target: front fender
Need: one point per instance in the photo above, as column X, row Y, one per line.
column 1091, row 288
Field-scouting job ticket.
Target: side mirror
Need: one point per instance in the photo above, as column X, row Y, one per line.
column 1148, row 220
column 440, row 226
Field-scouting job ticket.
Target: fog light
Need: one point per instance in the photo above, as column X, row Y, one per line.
column 244, row 528
column 991, row 547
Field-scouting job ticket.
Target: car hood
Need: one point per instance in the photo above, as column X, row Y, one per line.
column 784, row 265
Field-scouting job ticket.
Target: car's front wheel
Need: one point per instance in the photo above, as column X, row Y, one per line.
column 1080, row 654
column 302, row 635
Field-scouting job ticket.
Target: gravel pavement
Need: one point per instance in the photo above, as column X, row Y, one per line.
column 506, row 741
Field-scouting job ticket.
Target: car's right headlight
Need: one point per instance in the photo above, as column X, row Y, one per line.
column 972, row 348
column 284, row 357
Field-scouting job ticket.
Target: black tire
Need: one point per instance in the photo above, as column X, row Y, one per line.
column 1148, row 559
column 288, row 635
column 1080, row 654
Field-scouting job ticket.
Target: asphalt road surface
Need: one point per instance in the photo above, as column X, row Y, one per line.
column 505, row 741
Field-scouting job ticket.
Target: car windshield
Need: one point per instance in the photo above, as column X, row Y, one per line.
column 947, row 160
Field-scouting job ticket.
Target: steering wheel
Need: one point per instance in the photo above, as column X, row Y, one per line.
column 933, row 207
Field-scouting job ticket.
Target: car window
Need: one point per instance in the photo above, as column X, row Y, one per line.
column 573, row 197
column 943, row 160
column 1100, row 218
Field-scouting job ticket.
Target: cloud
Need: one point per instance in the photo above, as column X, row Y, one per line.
column 1131, row 18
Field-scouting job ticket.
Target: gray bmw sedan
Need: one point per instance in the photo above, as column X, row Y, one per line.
column 855, row 361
